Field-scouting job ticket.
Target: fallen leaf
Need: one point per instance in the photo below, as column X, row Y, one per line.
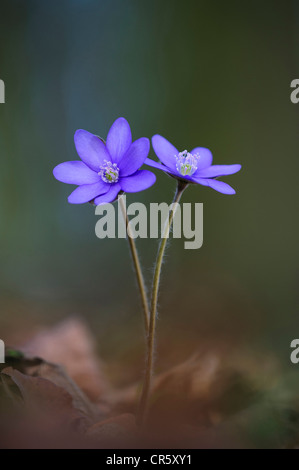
column 71, row 345
column 117, row 431
column 44, row 399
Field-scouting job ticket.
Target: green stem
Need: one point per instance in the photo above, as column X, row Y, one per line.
column 143, row 404
column 137, row 266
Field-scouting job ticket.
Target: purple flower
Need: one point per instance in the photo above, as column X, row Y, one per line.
column 106, row 169
column 192, row 167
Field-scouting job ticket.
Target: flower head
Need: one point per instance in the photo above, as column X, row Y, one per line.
column 109, row 172
column 191, row 167
column 106, row 169
column 186, row 163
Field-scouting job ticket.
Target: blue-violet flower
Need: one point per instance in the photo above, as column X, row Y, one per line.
column 191, row 167
column 105, row 170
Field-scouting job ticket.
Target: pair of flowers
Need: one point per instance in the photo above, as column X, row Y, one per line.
column 107, row 169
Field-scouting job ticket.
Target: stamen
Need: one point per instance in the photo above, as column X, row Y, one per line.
column 186, row 163
column 109, row 172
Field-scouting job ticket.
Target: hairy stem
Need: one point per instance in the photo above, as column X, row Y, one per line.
column 137, row 267
column 143, row 404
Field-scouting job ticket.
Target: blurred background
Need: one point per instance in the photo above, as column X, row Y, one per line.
column 201, row 73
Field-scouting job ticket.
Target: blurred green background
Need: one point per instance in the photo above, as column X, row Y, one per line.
column 201, row 73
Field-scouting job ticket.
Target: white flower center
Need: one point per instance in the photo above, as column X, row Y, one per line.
column 186, row 163
column 109, row 172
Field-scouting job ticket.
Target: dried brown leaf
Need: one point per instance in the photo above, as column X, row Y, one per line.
column 44, row 399
column 120, row 429
column 71, row 345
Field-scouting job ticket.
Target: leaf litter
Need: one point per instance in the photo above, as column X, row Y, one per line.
column 54, row 393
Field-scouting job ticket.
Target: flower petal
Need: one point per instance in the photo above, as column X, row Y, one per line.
column 206, row 157
column 134, row 157
column 75, row 172
column 218, row 170
column 165, row 151
column 215, row 184
column 91, row 149
column 202, row 181
column 109, row 196
column 157, row 165
column 141, row 180
column 221, row 187
column 87, row 192
column 119, row 139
